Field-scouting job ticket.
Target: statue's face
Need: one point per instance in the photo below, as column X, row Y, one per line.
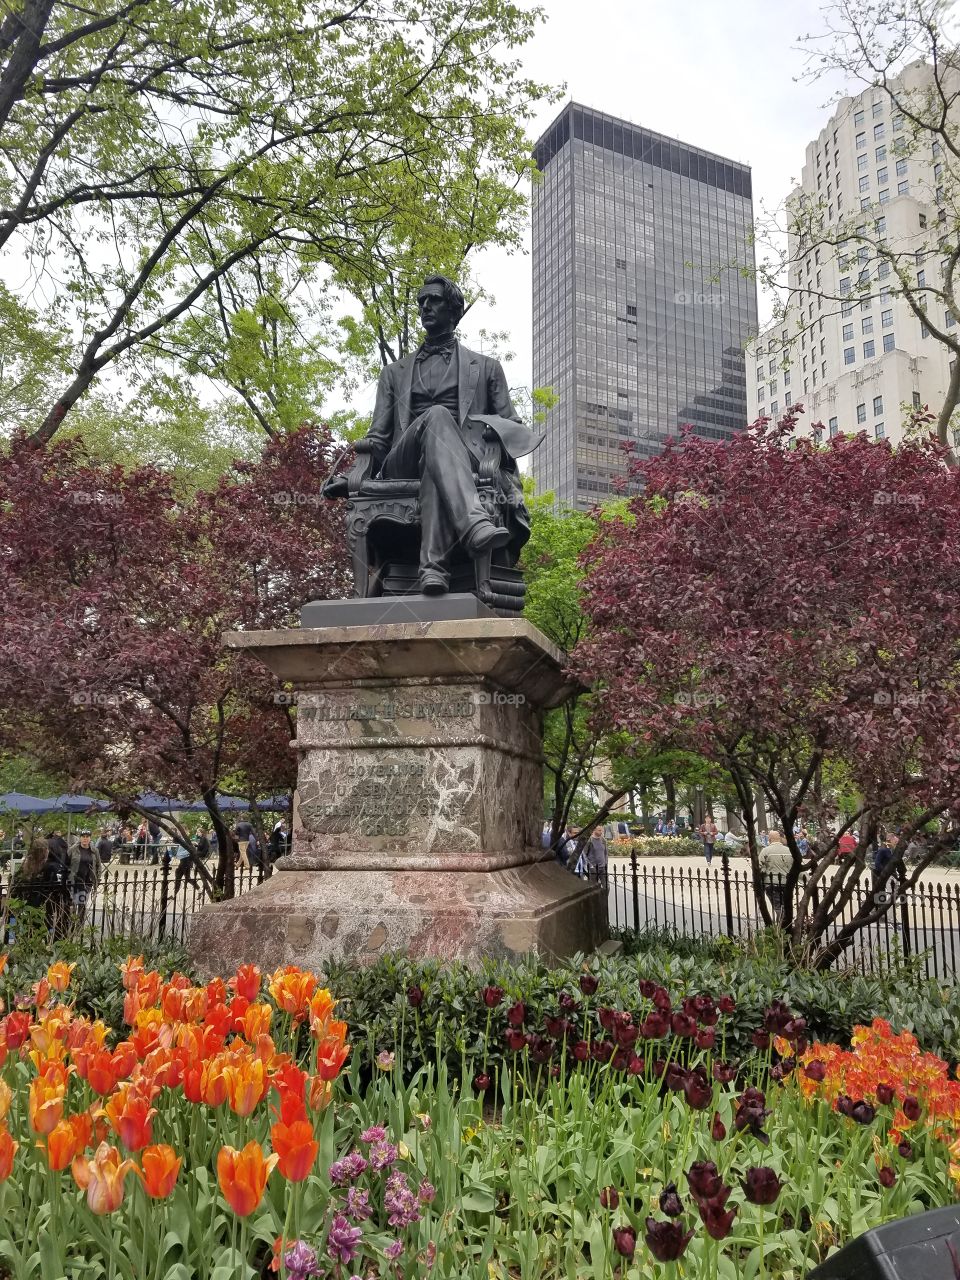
column 435, row 314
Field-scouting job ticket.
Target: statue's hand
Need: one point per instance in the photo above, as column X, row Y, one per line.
column 334, row 487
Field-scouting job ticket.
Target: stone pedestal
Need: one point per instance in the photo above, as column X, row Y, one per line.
column 419, row 802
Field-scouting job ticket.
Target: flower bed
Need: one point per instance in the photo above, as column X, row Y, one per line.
column 225, row 1133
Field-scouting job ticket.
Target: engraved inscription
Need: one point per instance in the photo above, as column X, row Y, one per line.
column 389, row 709
column 375, row 799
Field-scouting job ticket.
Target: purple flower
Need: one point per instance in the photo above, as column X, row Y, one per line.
column 382, row 1155
column 343, row 1240
column 394, row 1250
column 376, row 1134
column 301, row 1262
column 358, row 1204
column 343, row 1172
column 427, row 1192
column 400, row 1202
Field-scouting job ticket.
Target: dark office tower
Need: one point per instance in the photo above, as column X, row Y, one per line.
column 640, row 306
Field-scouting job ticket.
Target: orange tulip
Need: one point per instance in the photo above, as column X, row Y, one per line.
column 256, row 1022
column 161, row 1165
column 102, row 1072
column 3, row 961
column 46, row 1104
column 246, row 982
column 41, row 992
column 320, row 1093
column 296, row 1147
column 8, row 1149
column 293, row 988
column 247, row 1085
column 6, row 1097
column 321, row 1009
column 131, row 969
column 213, row 1082
column 131, row 1115
column 332, row 1053
column 102, row 1178
column 58, row 975
column 243, row 1176
column 68, row 1140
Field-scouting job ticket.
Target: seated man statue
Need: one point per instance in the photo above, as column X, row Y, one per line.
column 432, row 413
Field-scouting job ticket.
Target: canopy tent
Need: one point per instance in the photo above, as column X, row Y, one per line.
column 78, row 804
column 18, row 802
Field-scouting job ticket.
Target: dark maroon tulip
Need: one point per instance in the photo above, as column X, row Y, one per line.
column 581, row 1051
column 670, row 1202
column 707, row 1038
column 516, row 1014
column 682, row 1024
column 589, row 984
column 675, row 1076
column 554, row 1026
column 620, row 1060
column 905, row 1149
column 863, row 1113
column 911, row 1107
column 779, row 1071
column 555, row 1072
column 636, row 1065
column 609, row 1198
column 607, row 1018
column 625, row 1241
column 718, row 1222
column 667, row 1241
column 704, row 1180
column 627, row 1035
column 723, row 1072
column 602, row 1050
column 815, row 1070
column 541, row 1049
column 777, row 1017
column 658, row 1067
column 647, row 988
column 481, row 1081
column 885, row 1094
column 750, row 1113
column 689, row 1005
column 655, row 1025
column 887, row 1176
column 567, row 1003
column 415, row 997
column 761, row 1040
column 727, row 1004
column 795, row 1029
column 718, row 1130
column 845, row 1104
column 515, row 1039
column 697, row 1090
column 761, row 1185
column 661, row 998
column 492, row 996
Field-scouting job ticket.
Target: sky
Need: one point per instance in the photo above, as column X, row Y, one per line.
column 727, row 77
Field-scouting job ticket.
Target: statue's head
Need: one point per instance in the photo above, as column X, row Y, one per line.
column 441, row 305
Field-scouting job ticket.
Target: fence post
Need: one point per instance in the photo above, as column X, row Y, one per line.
column 727, row 896
column 636, row 890
column 164, row 894
column 905, row 923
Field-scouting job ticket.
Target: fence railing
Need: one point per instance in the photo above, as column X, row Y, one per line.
column 714, row 901
column 138, row 901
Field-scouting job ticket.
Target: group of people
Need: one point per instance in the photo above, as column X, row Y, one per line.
column 593, row 858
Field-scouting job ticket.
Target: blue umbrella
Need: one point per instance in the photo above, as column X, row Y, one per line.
column 20, row 803
column 78, row 804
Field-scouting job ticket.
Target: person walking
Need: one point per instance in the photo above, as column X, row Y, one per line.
column 776, row 862
column 104, row 847
column 241, row 834
column 596, row 857
column 709, row 831
column 280, row 841
column 84, row 874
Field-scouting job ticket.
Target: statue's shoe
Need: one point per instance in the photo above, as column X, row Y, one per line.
column 433, row 584
column 485, row 536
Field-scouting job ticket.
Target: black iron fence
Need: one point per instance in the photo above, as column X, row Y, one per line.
column 721, row 900
column 136, row 901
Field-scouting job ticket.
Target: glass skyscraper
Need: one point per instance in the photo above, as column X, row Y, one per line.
column 641, row 308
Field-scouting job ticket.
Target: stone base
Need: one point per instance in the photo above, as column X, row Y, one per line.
column 311, row 918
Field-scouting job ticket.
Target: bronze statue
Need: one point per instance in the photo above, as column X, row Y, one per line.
column 442, row 453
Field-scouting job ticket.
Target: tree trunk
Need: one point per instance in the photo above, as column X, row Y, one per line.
column 670, row 788
column 25, row 43
column 226, row 846
column 761, row 808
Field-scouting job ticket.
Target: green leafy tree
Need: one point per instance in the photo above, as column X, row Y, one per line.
column 153, row 156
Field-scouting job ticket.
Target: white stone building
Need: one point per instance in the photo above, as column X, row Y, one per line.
column 849, row 348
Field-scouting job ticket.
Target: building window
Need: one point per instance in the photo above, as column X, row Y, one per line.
column 878, row 431
column 848, row 333
column 884, row 195
column 877, row 110
column 937, row 172
column 897, row 123
column 774, row 407
column 883, row 270
column 923, row 221
column 921, row 279
column 786, row 378
column 787, row 398
column 863, row 253
column 886, row 319
column 861, row 413
column 773, row 388
column 949, row 319
column 880, row 155
column 622, row 264
column 901, row 168
column 888, row 342
column 861, row 162
column 861, row 141
column 881, row 226
column 823, row 371
column 903, row 188
column 882, row 176
column 849, row 355
column 834, row 427
column 924, row 331
column 866, row 324
column 631, row 311
column 846, row 308
column 939, row 194
column 877, row 132
column 868, row 350
column 865, row 182
column 864, row 204
column 916, row 399
column 877, row 406
column 845, row 284
column 857, row 119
